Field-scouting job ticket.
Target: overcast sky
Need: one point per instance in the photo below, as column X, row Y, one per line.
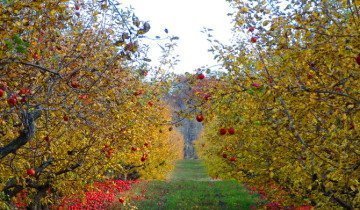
column 186, row 19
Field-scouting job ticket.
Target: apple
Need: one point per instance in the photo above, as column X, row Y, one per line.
column 24, row 91
column 12, row 101
column 31, row 172
column 143, row 158
column 200, row 118
column 231, row 131
column 36, row 56
column 83, row 96
column 75, row 84
column 207, row 96
column 2, row 93
column 109, row 152
column 253, row 39
column 358, row 59
column 257, row 85
column 66, row 118
column 23, row 100
column 201, row 76
column 150, row 103
column 224, row 155
column 222, row 131
column 252, row 28
column 47, row 138
column 134, row 149
column 121, row 200
column 232, row 159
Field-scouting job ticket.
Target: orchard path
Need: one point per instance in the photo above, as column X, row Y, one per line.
column 189, row 187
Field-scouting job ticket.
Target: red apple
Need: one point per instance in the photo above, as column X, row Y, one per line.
column 253, row 39
column 31, row 172
column 23, row 100
column 134, row 149
column 231, row 131
column 36, row 56
column 257, row 85
column 251, row 29
column 201, row 76
column 75, row 84
column 83, row 96
column 200, row 118
column 358, row 59
column 2, row 93
column 224, row 155
column 24, row 91
column 12, row 101
column 143, row 158
column 207, row 96
column 66, row 118
column 222, row 131
column 109, row 152
column 121, row 200
column 232, row 159
column 150, row 103
column 47, row 138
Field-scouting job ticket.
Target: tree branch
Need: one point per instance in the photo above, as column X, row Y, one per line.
column 26, row 135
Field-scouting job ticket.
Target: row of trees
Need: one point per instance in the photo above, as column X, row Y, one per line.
column 75, row 104
column 284, row 118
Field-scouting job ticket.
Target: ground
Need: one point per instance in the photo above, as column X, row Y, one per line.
column 189, row 187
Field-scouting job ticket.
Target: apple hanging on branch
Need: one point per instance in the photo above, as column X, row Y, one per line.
column 201, row 76
column 358, row 59
column 231, row 131
column 200, row 118
column 31, row 172
column 222, row 131
column 2, row 93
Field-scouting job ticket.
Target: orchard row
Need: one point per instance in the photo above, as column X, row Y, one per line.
column 76, row 104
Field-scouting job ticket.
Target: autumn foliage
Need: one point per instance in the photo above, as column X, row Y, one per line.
column 291, row 93
column 73, row 103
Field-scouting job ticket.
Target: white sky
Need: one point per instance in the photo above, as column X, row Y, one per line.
column 185, row 19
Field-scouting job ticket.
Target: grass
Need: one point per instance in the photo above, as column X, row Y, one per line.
column 190, row 170
column 189, row 187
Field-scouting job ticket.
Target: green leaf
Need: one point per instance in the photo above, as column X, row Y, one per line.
column 9, row 44
column 257, row 123
column 17, row 39
column 250, row 91
column 20, row 49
